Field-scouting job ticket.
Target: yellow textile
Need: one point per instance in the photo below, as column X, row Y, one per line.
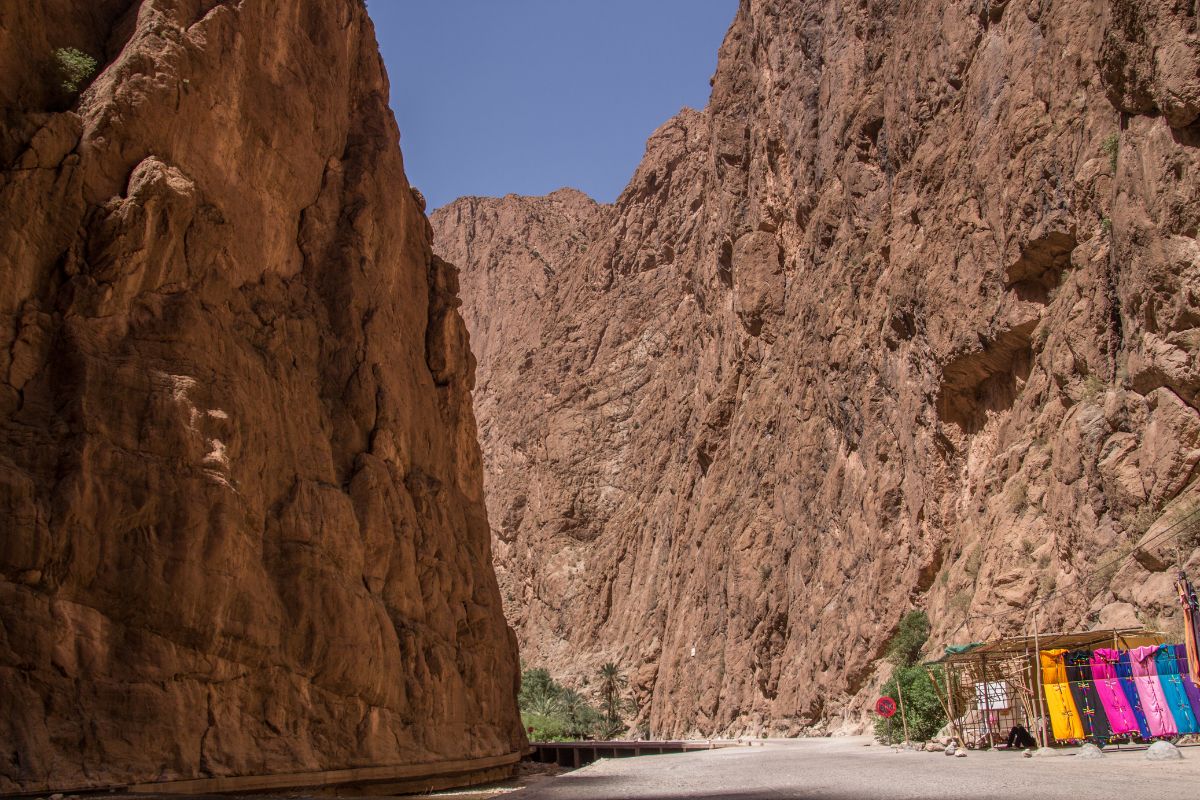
column 1064, row 718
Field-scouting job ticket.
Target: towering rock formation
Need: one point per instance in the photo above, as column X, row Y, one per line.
column 909, row 316
column 241, row 518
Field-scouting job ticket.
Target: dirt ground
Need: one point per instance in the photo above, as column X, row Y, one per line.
column 851, row 768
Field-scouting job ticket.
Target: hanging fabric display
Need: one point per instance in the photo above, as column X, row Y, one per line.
column 1150, row 690
column 1117, row 709
column 1064, row 717
column 1191, row 624
column 1092, row 715
column 1189, row 680
column 1125, row 674
column 1173, row 691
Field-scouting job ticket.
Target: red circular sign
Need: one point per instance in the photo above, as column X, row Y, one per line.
column 885, row 707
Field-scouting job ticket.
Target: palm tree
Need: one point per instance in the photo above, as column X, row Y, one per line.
column 579, row 713
column 612, row 682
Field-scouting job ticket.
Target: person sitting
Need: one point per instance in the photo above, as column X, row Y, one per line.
column 1019, row 736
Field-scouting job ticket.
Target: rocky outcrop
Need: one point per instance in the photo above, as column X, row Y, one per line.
column 240, row 490
column 906, row 318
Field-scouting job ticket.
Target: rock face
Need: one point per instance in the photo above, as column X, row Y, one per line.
column 240, row 489
column 908, row 317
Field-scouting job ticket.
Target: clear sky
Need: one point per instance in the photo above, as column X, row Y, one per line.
column 528, row 96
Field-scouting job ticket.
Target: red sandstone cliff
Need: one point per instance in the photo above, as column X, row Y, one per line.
column 909, row 316
column 241, row 518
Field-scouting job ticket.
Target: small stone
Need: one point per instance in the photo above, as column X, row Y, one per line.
column 934, row 747
column 1163, row 751
column 960, row 753
column 1028, row 754
column 1089, row 750
column 951, row 748
column 56, row 797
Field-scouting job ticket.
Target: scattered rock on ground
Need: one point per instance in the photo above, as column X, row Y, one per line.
column 1090, row 750
column 1163, row 751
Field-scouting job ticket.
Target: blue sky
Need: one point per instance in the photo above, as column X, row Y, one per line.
column 527, row 96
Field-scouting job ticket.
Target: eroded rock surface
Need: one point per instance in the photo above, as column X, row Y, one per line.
column 241, row 506
column 907, row 317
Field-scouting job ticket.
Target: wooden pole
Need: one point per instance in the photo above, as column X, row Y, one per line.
column 938, row 694
column 1040, row 687
column 900, row 700
column 950, row 705
column 987, row 704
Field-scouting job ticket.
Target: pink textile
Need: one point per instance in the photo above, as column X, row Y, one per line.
column 1150, row 691
column 1112, row 697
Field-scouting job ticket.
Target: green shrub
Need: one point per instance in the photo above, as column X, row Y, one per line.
column 922, row 710
column 545, row 729
column 1111, row 146
column 75, row 68
column 905, row 647
column 554, row 711
column 1018, row 495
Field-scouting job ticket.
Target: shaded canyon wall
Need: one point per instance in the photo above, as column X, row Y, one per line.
column 241, row 504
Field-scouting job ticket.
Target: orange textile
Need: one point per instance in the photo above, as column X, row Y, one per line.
column 1064, row 718
column 1191, row 624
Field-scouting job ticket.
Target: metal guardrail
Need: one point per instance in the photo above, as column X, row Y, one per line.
column 578, row 754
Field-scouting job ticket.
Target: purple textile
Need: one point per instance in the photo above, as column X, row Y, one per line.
column 1193, row 692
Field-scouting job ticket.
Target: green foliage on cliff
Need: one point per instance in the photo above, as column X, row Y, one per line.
column 74, row 69
column 910, row 637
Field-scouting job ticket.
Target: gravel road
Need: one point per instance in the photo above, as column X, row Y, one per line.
column 833, row 769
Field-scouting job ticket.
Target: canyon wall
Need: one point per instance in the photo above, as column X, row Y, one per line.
column 241, row 505
column 908, row 317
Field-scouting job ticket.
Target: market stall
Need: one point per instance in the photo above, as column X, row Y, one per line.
column 1102, row 686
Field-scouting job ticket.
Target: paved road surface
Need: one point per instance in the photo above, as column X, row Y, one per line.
column 845, row 769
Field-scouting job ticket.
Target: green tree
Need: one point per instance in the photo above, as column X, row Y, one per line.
column 922, row 709
column 580, row 716
column 553, row 711
column 910, row 637
column 612, row 684
column 74, row 67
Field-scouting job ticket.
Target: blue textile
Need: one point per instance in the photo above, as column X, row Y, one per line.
column 1173, row 691
column 1125, row 673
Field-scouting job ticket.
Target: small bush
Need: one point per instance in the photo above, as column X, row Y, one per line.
column 75, row 68
column 974, row 561
column 1106, row 226
column 1018, row 495
column 1138, row 522
column 1092, row 388
column 1111, row 146
column 960, row 603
